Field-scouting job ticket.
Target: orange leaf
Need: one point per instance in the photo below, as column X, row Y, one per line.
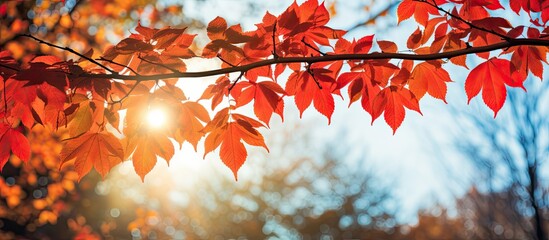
column 82, row 120
column 216, row 28
column 230, row 136
column 100, row 150
column 233, row 153
column 429, row 77
column 145, row 146
column 190, row 123
column 387, row 46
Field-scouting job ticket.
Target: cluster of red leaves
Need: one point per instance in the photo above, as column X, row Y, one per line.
column 88, row 98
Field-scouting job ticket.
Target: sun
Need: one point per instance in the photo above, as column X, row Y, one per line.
column 156, row 117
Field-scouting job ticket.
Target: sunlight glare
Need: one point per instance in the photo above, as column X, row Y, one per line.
column 156, row 117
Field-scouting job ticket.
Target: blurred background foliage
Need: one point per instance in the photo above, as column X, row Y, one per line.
column 302, row 189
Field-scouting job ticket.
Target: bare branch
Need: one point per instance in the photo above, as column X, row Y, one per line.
column 375, row 16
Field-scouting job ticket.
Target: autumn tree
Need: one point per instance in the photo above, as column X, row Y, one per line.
column 496, row 214
column 81, row 25
column 87, row 94
column 37, row 199
column 507, row 156
column 435, row 223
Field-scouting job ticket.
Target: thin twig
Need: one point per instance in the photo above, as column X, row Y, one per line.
column 310, row 71
column 71, row 138
column 125, row 96
column 225, row 61
column 5, row 99
column 159, row 64
column 433, row 4
column 10, row 67
column 275, row 56
column 377, row 15
column 311, row 47
column 71, row 51
column 236, row 81
column 168, row 92
column 118, row 64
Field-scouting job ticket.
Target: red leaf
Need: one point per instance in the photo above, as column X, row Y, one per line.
column 392, row 101
column 130, row 45
column 216, row 28
column 419, row 10
column 490, row 76
column 528, row 58
column 414, row 41
column 364, row 44
column 266, row 95
column 306, row 90
column 14, row 141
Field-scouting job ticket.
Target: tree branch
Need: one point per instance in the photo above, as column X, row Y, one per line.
column 68, row 49
column 329, row 58
column 225, row 61
column 433, row 4
column 374, row 17
column 275, row 55
column 311, row 47
column 160, row 65
column 236, row 81
column 118, row 64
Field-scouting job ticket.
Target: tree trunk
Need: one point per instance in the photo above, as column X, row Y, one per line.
column 538, row 220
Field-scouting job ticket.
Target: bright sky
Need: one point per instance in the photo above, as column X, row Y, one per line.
column 418, row 162
column 410, row 160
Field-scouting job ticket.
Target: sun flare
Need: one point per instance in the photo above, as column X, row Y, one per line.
column 156, row 117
